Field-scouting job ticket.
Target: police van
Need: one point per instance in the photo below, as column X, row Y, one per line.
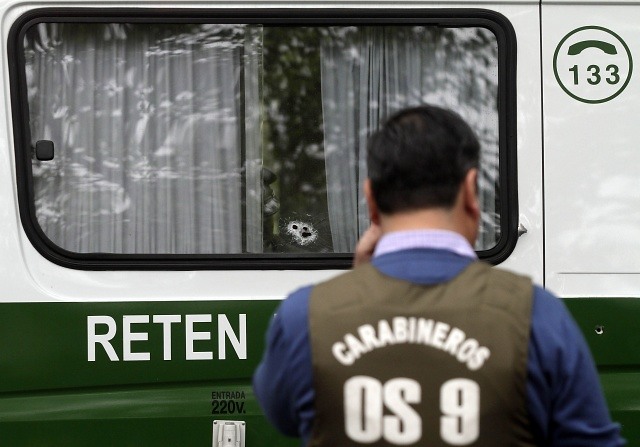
column 169, row 171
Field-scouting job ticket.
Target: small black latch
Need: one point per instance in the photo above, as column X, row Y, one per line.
column 44, row 150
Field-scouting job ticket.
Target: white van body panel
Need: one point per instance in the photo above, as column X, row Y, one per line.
column 591, row 165
column 30, row 277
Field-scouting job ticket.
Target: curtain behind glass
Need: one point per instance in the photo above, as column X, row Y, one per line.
column 156, row 130
column 368, row 73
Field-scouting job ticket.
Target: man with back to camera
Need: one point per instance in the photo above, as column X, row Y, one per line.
column 424, row 345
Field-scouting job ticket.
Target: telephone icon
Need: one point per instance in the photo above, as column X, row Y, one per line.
column 578, row 47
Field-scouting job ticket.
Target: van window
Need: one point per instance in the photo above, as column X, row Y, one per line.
column 223, row 138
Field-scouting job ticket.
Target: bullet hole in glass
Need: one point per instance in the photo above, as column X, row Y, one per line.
column 302, row 233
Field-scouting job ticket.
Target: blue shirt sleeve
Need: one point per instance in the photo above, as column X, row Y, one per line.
column 283, row 382
column 566, row 402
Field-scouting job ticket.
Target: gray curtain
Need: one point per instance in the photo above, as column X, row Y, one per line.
column 368, row 73
column 157, row 136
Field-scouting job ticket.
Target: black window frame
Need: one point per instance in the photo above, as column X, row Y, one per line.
column 466, row 17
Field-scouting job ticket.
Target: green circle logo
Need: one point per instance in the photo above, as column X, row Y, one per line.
column 592, row 64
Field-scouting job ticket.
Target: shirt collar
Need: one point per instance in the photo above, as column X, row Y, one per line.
column 433, row 239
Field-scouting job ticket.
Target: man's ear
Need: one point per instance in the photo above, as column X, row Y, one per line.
column 374, row 213
column 470, row 193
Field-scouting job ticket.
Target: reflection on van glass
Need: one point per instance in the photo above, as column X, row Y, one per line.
column 214, row 139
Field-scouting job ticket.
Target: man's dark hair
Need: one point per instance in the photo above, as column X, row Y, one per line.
column 419, row 158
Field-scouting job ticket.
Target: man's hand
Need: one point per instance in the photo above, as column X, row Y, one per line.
column 366, row 245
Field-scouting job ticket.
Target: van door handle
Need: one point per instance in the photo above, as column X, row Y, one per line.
column 521, row 230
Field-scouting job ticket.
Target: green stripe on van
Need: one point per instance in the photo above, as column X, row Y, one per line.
column 47, row 346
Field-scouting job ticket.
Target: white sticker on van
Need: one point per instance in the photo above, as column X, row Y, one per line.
column 101, row 330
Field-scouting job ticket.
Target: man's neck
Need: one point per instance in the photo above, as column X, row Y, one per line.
column 425, row 219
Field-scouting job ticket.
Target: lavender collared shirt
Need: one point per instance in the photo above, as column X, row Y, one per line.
column 434, row 239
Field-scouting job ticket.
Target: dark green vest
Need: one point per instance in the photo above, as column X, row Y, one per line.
column 397, row 363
